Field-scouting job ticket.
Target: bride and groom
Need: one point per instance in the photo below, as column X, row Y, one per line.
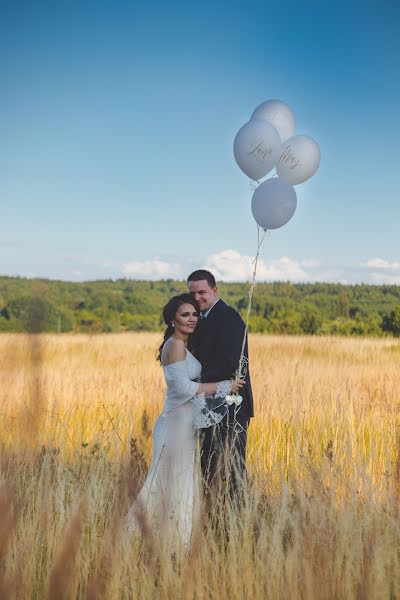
column 199, row 354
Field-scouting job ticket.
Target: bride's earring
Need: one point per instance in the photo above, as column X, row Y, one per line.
column 173, row 324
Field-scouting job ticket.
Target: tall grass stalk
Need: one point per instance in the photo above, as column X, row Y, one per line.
column 321, row 515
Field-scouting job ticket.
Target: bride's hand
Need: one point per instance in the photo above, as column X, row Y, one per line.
column 236, row 385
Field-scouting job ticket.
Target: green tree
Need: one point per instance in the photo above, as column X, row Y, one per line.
column 34, row 313
column 311, row 321
column 343, row 304
column 391, row 322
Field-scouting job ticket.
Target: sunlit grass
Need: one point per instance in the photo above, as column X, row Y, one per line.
column 322, row 515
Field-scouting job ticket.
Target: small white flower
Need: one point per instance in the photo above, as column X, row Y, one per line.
column 233, row 399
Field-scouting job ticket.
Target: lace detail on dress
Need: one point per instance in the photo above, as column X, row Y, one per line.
column 210, row 409
column 223, row 388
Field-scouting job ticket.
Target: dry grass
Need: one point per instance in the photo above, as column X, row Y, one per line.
column 322, row 516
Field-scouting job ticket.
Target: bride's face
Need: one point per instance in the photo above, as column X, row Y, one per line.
column 186, row 319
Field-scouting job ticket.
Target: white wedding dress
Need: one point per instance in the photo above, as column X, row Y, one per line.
column 169, row 500
column 170, row 497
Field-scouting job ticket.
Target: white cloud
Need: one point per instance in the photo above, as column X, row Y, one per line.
column 381, row 271
column 230, row 265
column 380, row 263
column 383, row 278
column 310, row 263
column 154, row 268
column 284, row 268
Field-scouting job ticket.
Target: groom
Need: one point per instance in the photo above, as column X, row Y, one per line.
column 219, row 339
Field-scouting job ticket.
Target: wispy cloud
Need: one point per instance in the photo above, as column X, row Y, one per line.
column 230, row 265
column 381, row 278
column 382, row 271
column 227, row 265
column 380, row 263
column 5, row 244
column 154, row 268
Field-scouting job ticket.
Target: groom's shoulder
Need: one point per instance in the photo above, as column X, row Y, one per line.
column 228, row 311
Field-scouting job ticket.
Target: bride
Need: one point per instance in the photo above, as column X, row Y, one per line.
column 169, row 500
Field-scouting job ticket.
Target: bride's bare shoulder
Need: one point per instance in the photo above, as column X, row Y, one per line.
column 174, row 351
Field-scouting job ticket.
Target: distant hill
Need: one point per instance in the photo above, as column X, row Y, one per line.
column 128, row 305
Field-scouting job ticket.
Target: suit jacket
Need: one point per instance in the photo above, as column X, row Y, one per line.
column 218, row 344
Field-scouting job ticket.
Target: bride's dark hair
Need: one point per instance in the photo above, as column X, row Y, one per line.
column 169, row 312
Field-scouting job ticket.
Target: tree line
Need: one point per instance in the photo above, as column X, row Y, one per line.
column 34, row 305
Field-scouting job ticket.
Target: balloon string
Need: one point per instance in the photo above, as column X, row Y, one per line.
column 240, row 373
column 254, row 183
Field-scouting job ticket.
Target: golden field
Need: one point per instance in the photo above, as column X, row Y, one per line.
column 322, row 514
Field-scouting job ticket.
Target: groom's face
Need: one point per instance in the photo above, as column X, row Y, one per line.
column 203, row 293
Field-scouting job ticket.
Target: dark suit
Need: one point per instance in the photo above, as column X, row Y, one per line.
column 218, row 344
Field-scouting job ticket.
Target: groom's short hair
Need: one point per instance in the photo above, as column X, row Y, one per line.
column 203, row 274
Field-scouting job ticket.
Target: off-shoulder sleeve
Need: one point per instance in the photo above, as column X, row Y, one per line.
column 180, row 388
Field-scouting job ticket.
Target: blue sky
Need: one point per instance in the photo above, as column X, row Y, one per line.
column 116, row 131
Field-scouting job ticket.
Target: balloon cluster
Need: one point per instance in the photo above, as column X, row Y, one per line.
column 268, row 140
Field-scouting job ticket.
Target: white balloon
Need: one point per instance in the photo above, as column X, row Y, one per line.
column 257, row 148
column 299, row 160
column 279, row 114
column 274, row 203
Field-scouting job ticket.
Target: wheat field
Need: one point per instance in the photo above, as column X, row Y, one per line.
column 321, row 515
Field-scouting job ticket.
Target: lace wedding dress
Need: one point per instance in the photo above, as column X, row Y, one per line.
column 170, row 497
